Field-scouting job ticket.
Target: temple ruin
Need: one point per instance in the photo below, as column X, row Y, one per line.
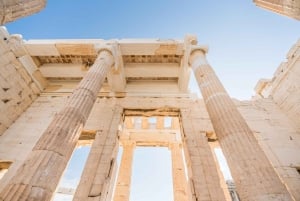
column 11, row 10
column 290, row 8
column 111, row 94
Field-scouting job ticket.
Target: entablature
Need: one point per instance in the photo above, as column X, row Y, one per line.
column 144, row 65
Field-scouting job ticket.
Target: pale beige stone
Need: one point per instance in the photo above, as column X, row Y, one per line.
column 98, row 173
column 12, row 10
column 284, row 87
column 17, row 91
column 251, row 170
column 122, row 191
column 204, row 179
column 179, row 180
column 152, row 108
column 36, row 179
column 290, row 8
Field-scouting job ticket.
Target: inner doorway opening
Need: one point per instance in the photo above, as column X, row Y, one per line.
column 152, row 164
column 152, row 176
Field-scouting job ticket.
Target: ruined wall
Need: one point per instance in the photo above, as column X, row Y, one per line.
column 11, row 10
column 273, row 129
column 99, row 172
column 18, row 88
column 275, row 118
column 289, row 8
column 286, row 85
column 278, row 137
column 19, row 139
column 205, row 181
column 284, row 88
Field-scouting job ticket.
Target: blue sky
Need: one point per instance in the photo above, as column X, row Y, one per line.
column 245, row 42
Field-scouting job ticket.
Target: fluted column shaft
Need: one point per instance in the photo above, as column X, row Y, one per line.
column 203, row 174
column 122, row 192
column 178, row 173
column 39, row 175
column 99, row 171
column 254, row 176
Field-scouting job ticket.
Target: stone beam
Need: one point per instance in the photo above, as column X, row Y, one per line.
column 149, row 138
column 254, row 176
column 60, row 70
column 38, row 177
column 159, row 112
column 137, row 70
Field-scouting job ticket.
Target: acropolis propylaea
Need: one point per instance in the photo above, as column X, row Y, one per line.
column 60, row 94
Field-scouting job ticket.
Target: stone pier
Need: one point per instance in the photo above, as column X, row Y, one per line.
column 203, row 175
column 122, row 192
column 252, row 172
column 98, row 175
column 178, row 172
column 39, row 175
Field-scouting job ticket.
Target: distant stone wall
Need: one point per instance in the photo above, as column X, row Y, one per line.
column 18, row 88
column 289, row 8
column 278, row 138
column 275, row 119
column 11, row 10
column 284, row 87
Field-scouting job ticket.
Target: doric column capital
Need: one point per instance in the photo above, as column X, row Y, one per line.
column 198, row 56
column 105, row 54
column 202, row 50
column 113, row 50
column 190, row 39
column 105, row 50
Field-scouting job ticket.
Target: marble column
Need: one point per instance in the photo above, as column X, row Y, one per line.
column 253, row 174
column 40, row 173
column 122, row 191
column 99, row 172
column 202, row 169
column 178, row 173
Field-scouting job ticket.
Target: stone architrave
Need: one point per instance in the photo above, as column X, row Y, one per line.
column 253, row 174
column 178, row 172
column 98, row 173
column 122, row 191
column 39, row 175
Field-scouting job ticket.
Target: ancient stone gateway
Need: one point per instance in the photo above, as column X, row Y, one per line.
column 59, row 94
